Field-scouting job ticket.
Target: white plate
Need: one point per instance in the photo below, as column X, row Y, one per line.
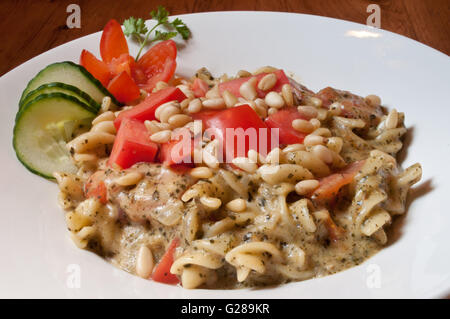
column 39, row 260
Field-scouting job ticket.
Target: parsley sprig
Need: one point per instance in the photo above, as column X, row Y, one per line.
column 137, row 30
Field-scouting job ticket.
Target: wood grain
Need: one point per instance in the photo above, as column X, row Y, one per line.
column 30, row 27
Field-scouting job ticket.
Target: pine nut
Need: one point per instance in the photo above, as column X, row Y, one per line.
column 311, row 140
column 323, row 153
column 168, row 112
column 79, row 157
column 229, row 98
column 391, row 120
column 210, row 160
column 253, row 156
column 315, row 123
column 265, row 69
column 353, row 123
column 273, row 99
column 107, row 116
column 322, row 114
column 261, row 103
column 373, row 100
column 245, row 164
column 243, row 74
column 274, row 156
column 286, row 92
column 186, row 91
column 201, row 172
column 302, row 126
column 161, row 136
column 144, row 262
column 211, row 202
column 237, row 205
column 335, row 144
column 106, row 104
column 307, row 186
column 184, row 104
column 271, row 111
column 213, row 93
column 308, row 111
column 316, row 102
column 129, row 179
column 160, row 108
column 248, row 90
column 179, row 120
column 151, row 126
column 267, row 82
column 161, row 85
column 322, row 131
column 335, row 109
column 216, row 103
column 162, row 126
column 105, row 126
column 294, row 148
column 195, row 106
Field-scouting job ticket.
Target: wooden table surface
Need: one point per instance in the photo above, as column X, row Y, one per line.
column 30, row 27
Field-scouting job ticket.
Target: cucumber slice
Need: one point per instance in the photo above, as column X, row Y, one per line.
column 72, row 74
column 63, row 88
column 42, row 129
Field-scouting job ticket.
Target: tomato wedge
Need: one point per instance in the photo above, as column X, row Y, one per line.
column 234, row 85
column 238, row 140
column 199, row 87
column 162, row 270
column 330, row 185
column 95, row 187
column 165, row 75
column 97, row 68
column 132, row 145
column 154, row 59
column 158, row 60
column 123, row 88
column 146, row 109
column 113, row 42
column 123, row 63
column 283, row 121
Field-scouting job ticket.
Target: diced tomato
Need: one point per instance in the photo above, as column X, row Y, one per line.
column 162, row 270
column 132, row 145
column 177, row 152
column 239, row 140
column 165, row 75
column 330, row 185
column 159, row 60
column 234, row 85
column 283, row 121
column 199, row 87
column 123, row 88
column 97, row 68
column 146, row 109
column 95, row 187
column 113, row 42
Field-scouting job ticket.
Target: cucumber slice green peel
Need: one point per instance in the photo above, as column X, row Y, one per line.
column 63, row 88
column 42, row 129
column 72, row 74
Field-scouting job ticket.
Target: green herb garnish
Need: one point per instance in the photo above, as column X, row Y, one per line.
column 137, row 30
